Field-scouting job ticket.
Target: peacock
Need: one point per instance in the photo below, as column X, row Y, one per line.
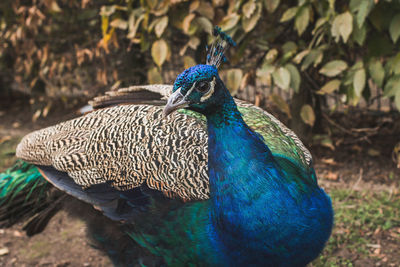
column 208, row 180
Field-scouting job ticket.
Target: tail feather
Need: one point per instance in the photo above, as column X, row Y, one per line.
column 26, row 196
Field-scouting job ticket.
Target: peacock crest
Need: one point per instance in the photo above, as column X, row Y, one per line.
column 221, row 43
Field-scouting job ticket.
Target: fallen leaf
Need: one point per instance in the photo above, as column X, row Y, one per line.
column 17, row 233
column 4, row 251
column 36, row 115
column 46, row 110
column 332, row 176
column 5, row 139
column 329, row 161
column 373, row 152
column 16, row 124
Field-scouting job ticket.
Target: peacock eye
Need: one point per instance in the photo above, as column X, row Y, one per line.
column 203, row 86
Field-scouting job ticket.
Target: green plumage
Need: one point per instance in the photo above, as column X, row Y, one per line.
column 26, row 196
column 21, row 187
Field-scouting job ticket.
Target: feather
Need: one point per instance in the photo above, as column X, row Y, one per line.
column 26, row 196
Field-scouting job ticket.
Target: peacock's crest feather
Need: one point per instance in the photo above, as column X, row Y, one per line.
column 221, row 43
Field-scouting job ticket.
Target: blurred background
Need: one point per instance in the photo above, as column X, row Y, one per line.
column 328, row 69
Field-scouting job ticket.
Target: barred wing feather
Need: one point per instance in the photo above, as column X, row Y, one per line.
column 130, row 145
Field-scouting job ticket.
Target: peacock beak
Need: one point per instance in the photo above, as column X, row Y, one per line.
column 175, row 101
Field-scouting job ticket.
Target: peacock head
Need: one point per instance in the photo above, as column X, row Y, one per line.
column 200, row 88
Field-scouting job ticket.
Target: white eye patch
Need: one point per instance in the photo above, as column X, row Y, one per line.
column 210, row 92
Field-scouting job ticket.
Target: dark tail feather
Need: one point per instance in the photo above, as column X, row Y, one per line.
column 39, row 221
column 26, row 196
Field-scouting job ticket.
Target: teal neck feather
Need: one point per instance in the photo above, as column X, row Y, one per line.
column 249, row 186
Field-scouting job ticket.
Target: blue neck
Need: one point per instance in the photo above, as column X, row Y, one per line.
column 257, row 200
column 243, row 175
column 235, row 150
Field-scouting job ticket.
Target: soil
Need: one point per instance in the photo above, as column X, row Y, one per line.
column 360, row 160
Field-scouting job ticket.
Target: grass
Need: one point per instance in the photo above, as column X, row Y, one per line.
column 367, row 224
column 7, row 151
column 37, row 250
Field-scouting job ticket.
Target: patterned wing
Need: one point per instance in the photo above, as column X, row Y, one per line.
column 127, row 146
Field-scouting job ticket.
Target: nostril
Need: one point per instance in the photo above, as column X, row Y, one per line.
column 177, row 99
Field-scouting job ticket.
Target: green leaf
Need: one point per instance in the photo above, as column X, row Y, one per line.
column 233, row 80
column 394, row 28
column 364, row 7
column 160, row 26
column 281, row 77
column 342, row 26
column 249, row 23
column 154, row 76
column 159, row 51
column 307, row 114
column 289, row 47
column 271, row 55
column 187, row 21
column 230, row 21
column 392, row 86
column 302, row 19
column 295, row 78
column 205, row 24
column 206, row 9
column 289, row 14
column 133, row 25
column 333, row 68
column 119, row 24
column 271, row 5
column 397, row 99
column 359, row 34
column 280, row 103
column 392, row 65
column 377, row 72
column 360, row 79
column 329, row 87
column 107, row 10
column 249, row 8
column 264, row 74
column 299, row 57
column 313, row 57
